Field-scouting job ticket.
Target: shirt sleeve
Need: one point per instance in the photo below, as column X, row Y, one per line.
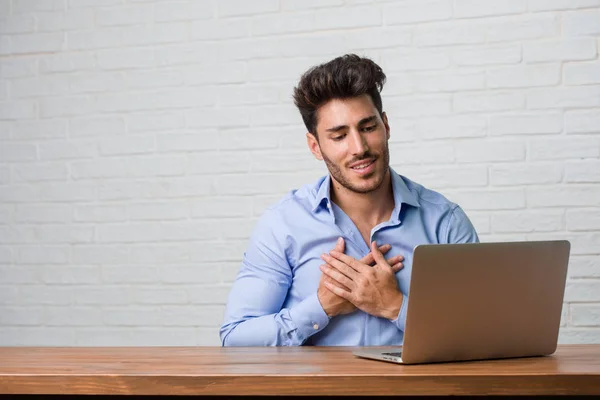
column 459, row 229
column 254, row 315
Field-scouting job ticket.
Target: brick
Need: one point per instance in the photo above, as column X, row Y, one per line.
column 96, row 126
column 582, row 290
column 447, row 176
column 582, row 121
column 37, row 336
column 478, row 8
column 222, row 207
column 248, row 184
column 131, row 15
column 523, row 27
column 22, row 316
column 524, row 76
column 417, row 11
column 18, row 110
column 34, row 6
column 52, row 171
column 16, row 152
column 101, row 254
column 236, row 95
column 221, row 162
column 225, row 117
column 69, row 20
column 103, row 295
column 563, row 148
column 43, row 213
column 95, row 39
column 560, row 50
column 206, row 139
column 279, row 160
column 96, row 81
column 100, row 213
column 479, row 150
column 526, row 174
column 153, row 79
column 159, row 210
column 230, row 72
column 584, row 266
column 16, row 274
column 583, row 219
column 425, row 105
column 585, row 315
column 173, row 187
column 68, row 149
column 579, row 336
column 120, row 274
column 138, row 232
column 582, row 73
column 564, row 97
column 185, row 10
column 220, row 29
column 548, row 5
column 21, row 67
column 71, row 275
column 45, row 295
column 152, row 121
column 450, row 33
column 191, row 274
column 8, row 294
column 131, row 58
column 187, row 53
column 138, row 144
column 230, row 8
column 490, row 199
column 190, row 315
column 529, row 221
column 584, row 22
column 36, row 43
column 93, row 3
column 521, row 124
column 582, row 171
column 563, row 196
column 449, row 82
column 40, row 86
column 66, row 106
column 40, row 129
column 67, row 191
column 451, row 127
column 481, row 222
column 17, row 24
column 132, row 316
column 74, row 316
column 159, row 295
column 294, row 5
column 487, row 55
column 488, row 101
column 279, row 24
column 208, row 295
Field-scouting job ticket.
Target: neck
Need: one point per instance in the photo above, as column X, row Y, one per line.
column 372, row 208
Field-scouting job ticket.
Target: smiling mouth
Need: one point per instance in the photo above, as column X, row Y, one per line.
column 363, row 165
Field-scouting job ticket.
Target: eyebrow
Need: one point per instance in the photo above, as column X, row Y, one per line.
column 361, row 122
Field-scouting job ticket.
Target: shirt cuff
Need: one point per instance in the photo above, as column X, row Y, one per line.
column 309, row 317
column 400, row 321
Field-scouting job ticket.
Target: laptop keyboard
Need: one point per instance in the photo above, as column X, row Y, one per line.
column 396, row 354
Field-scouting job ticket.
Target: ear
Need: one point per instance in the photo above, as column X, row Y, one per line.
column 386, row 124
column 313, row 146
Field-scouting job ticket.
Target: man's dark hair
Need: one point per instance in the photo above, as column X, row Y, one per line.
column 341, row 78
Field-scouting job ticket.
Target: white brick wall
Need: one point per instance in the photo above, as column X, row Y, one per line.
column 140, row 142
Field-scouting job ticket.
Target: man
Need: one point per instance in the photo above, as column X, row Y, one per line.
column 313, row 273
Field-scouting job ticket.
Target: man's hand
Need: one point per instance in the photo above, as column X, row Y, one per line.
column 371, row 289
column 332, row 303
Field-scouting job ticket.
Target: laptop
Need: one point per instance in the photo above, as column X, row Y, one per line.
column 478, row 301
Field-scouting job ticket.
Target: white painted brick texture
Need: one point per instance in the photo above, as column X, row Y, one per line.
column 141, row 141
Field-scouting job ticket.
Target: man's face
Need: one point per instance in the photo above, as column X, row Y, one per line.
column 353, row 142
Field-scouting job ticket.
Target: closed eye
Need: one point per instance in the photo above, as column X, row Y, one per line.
column 369, row 128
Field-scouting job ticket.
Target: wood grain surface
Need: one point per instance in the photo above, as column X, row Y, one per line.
column 573, row 369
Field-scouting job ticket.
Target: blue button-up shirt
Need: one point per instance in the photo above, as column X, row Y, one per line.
column 273, row 301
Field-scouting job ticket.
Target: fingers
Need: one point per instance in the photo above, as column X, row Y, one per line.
column 344, row 294
column 377, row 255
column 340, row 266
column 368, row 259
column 337, row 276
column 350, row 262
column 340, row 245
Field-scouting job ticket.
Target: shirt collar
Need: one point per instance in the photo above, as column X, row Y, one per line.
column 402, row 194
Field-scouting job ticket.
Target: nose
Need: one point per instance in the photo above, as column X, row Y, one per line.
column 358, row 143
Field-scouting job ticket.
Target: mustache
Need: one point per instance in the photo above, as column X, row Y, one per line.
column 365, row 156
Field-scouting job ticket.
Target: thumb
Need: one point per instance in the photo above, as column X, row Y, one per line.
column 340, row 245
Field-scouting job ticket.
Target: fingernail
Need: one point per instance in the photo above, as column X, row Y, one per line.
column 339, row 240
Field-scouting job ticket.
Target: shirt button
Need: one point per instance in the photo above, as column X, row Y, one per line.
column 315, row 326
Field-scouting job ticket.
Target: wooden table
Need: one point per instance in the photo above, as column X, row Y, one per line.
column 573, row 369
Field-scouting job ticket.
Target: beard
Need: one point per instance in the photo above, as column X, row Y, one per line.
column 344, row 180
